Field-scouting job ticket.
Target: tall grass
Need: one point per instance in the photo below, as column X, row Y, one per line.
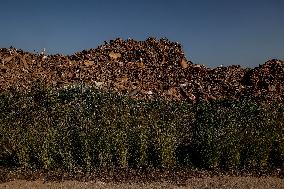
column 82, row 128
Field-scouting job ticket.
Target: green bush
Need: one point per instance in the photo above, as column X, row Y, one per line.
column 82, row 127
column 237, row 135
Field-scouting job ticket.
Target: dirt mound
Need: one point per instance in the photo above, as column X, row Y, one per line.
column 141, row 69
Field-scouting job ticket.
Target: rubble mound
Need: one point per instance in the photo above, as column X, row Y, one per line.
column 266, row 81
column 141, row 69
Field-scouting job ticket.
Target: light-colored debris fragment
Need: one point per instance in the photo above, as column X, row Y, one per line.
column 98, row 84
column 183, row 63
column 88, row 63
column 8, row 59
column 149, row 92
column 183, row 84
column 114, row 55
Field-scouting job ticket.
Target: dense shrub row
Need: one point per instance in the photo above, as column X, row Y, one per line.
column 81, row 127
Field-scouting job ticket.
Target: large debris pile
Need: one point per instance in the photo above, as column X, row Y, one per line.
column 141, row 69
column 266, row 81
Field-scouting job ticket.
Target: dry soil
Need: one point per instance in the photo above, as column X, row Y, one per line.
column 228, row 182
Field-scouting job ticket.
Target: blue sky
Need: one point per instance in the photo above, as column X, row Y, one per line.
column 212, row 32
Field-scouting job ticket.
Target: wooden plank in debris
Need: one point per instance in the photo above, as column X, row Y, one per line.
column 23, row 60
column 8, row 59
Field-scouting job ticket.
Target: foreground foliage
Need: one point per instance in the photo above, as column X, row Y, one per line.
column 82, row 128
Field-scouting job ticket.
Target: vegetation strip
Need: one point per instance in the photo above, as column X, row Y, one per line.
column 82, row 128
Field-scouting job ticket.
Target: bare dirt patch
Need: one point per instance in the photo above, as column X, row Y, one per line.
column 198, row 183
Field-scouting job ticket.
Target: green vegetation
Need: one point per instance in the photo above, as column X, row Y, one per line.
column 82, row 128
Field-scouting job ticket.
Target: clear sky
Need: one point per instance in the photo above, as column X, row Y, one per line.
column 212, row 32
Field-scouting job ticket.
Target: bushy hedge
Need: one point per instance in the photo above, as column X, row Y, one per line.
column 81, row 127
column 239, row 135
